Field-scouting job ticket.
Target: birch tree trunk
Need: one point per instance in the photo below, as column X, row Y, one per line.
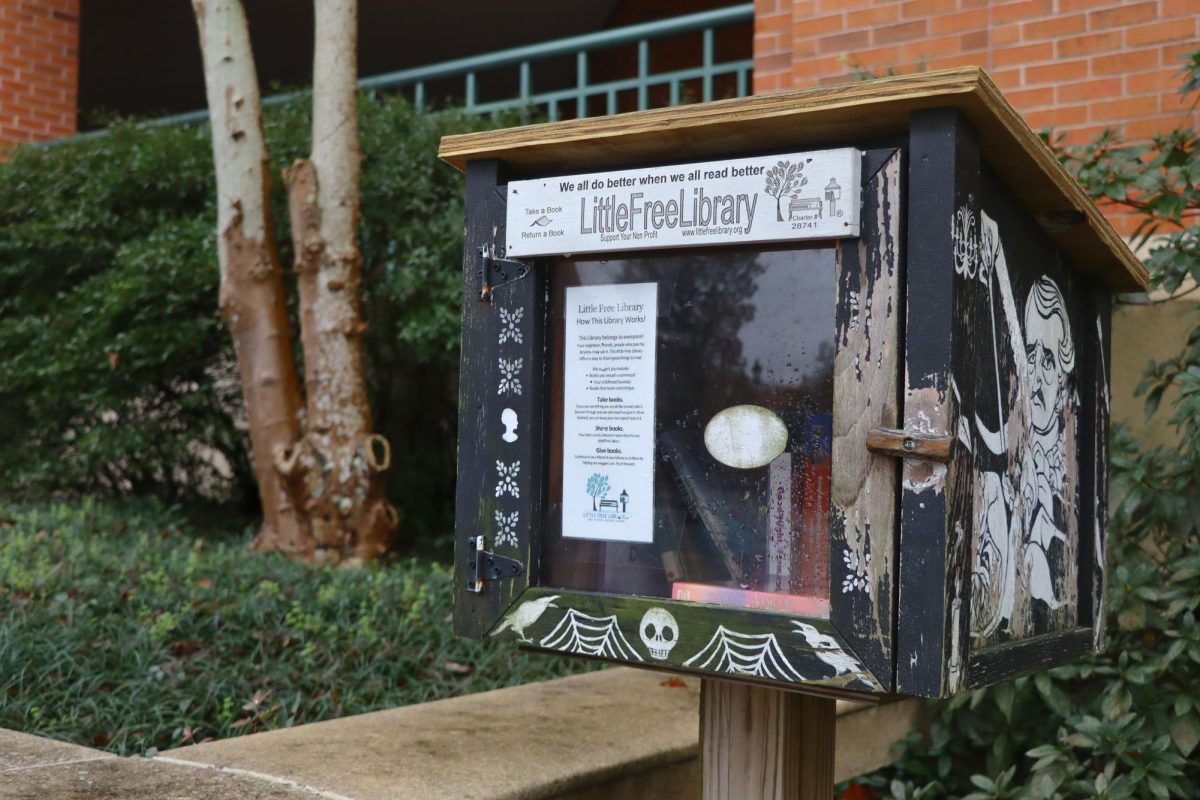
column 338, row 470
column 322, row 483
column 251, row 298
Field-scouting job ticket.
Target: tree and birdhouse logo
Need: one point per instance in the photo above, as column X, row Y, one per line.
column 786, row 179
column 598, row 488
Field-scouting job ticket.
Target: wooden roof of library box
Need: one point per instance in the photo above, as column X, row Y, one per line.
column 825, row 115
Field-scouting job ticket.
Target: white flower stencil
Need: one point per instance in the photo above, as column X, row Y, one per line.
column 509, row 320
column 509, row 382
column 508, row 478
column 858, row 573
column 506, row 528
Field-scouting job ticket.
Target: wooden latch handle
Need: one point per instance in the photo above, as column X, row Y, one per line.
column 908, row 444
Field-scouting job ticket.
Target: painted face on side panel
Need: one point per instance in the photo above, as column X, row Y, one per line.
column 1049, row 353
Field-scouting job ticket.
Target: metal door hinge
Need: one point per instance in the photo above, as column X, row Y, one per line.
column 495, row 272
column 483, row 566
column 907, row 444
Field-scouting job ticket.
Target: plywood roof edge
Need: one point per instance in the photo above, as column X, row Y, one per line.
column 457, row 149
column 969, row 88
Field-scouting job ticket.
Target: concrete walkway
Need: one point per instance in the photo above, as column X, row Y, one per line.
column 617, row 733
column 33, row 768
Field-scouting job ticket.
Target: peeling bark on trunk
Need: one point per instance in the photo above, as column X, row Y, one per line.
column 252, row 299
column 323, row 488
column 338, row 471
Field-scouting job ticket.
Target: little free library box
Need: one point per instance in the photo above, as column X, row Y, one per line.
column 808, row 389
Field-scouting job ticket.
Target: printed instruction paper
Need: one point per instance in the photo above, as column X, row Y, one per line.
column 608, row 414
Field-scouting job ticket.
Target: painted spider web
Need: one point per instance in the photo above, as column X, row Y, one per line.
column 753, row 654
column 582, row 633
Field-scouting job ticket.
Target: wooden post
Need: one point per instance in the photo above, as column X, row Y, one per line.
column 765, row 743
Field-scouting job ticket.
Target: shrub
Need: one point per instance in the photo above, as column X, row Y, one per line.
column 126, row 627
column 1126, row 723
column 116, row 373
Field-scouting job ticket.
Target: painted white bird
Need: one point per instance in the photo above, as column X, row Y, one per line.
column 526, row 615
column 828, row 650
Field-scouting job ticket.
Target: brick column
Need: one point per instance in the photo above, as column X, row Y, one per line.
column 39, row 69
column 772, row 45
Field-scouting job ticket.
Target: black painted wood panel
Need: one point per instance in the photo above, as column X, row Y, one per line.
column 499, row 482
column 863, row 516
column 943, row 174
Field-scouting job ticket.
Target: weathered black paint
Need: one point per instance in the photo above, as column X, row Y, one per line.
column 479, row 427
column 943, row 173
column 864, row 262
column 1017, row 658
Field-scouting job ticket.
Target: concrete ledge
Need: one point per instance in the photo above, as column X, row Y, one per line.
column 138, row 779
column 21, row 751
column 615, row 733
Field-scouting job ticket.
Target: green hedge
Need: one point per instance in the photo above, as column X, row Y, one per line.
column 116, row 374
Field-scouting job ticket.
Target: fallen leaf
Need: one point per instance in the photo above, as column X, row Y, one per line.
column 185, row 647
column 457, row 668
column 202, row 583
column 674, row 683
column 114, row 358
column 101, row 738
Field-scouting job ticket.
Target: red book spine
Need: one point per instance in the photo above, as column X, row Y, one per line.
column 814, row 510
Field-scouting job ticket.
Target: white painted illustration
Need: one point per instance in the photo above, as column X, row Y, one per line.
column 525, row 616
column 1099, row 546
column 858, row 568
column 1021, row 510
column 508, row 478
column 509, row 325
column 508, row 418
column 964, row 428
column 659, row 632
column 1103, row 363
column 830, row 652
column 582, row 633
column 510, row 382
column 506, row 528
column 954, row 665
column 755, row 654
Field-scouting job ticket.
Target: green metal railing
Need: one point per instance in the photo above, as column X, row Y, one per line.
column 468, row 69
column 417, row 81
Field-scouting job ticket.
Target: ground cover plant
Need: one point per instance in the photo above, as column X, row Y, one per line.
column 1125, row 723
column 128, row 628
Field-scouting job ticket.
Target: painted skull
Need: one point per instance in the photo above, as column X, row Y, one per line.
column 659, row 632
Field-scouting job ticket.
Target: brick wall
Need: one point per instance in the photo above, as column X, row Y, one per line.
column 39, row 69
column 1076, row 65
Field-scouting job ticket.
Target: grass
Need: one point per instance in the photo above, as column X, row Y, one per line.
column 127, row 628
